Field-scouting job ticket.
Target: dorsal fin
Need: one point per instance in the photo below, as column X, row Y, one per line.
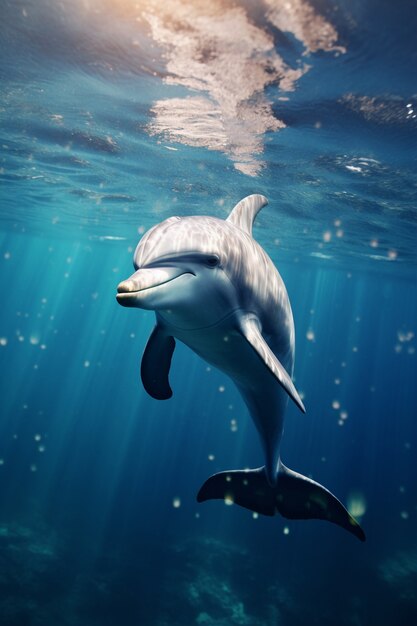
column 244, row 213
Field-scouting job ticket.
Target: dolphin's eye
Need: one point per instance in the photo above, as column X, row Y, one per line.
column 212, row 260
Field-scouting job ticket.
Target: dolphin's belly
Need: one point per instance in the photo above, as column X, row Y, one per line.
column 226, row 349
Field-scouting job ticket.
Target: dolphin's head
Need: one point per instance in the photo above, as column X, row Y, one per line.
column 180, row 272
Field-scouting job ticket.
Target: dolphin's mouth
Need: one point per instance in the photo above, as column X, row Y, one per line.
column 145, row 280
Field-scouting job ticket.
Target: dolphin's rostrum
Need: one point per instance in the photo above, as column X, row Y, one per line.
column 214, row 288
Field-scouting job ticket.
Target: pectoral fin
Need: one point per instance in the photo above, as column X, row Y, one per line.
column 156, row 362
column 249, row 327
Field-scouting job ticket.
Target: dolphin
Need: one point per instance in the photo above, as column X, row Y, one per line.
column 214, row 288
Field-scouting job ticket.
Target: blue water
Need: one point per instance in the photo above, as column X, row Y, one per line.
column 114, row 116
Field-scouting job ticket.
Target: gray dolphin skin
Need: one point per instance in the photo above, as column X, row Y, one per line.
column 214, row 288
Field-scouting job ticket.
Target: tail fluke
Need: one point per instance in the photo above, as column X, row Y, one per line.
column 294, row 496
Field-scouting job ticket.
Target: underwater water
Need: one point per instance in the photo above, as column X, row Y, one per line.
column 116, row 114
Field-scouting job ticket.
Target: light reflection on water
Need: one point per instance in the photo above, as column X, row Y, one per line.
column 217, row 51
column 125, row 113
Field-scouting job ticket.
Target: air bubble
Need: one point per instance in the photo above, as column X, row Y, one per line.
column 356, row 504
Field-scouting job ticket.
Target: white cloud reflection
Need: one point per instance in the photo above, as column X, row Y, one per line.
column 216, row 51
column 300, row 19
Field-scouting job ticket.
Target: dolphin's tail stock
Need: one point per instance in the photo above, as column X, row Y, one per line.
column 294, row 496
